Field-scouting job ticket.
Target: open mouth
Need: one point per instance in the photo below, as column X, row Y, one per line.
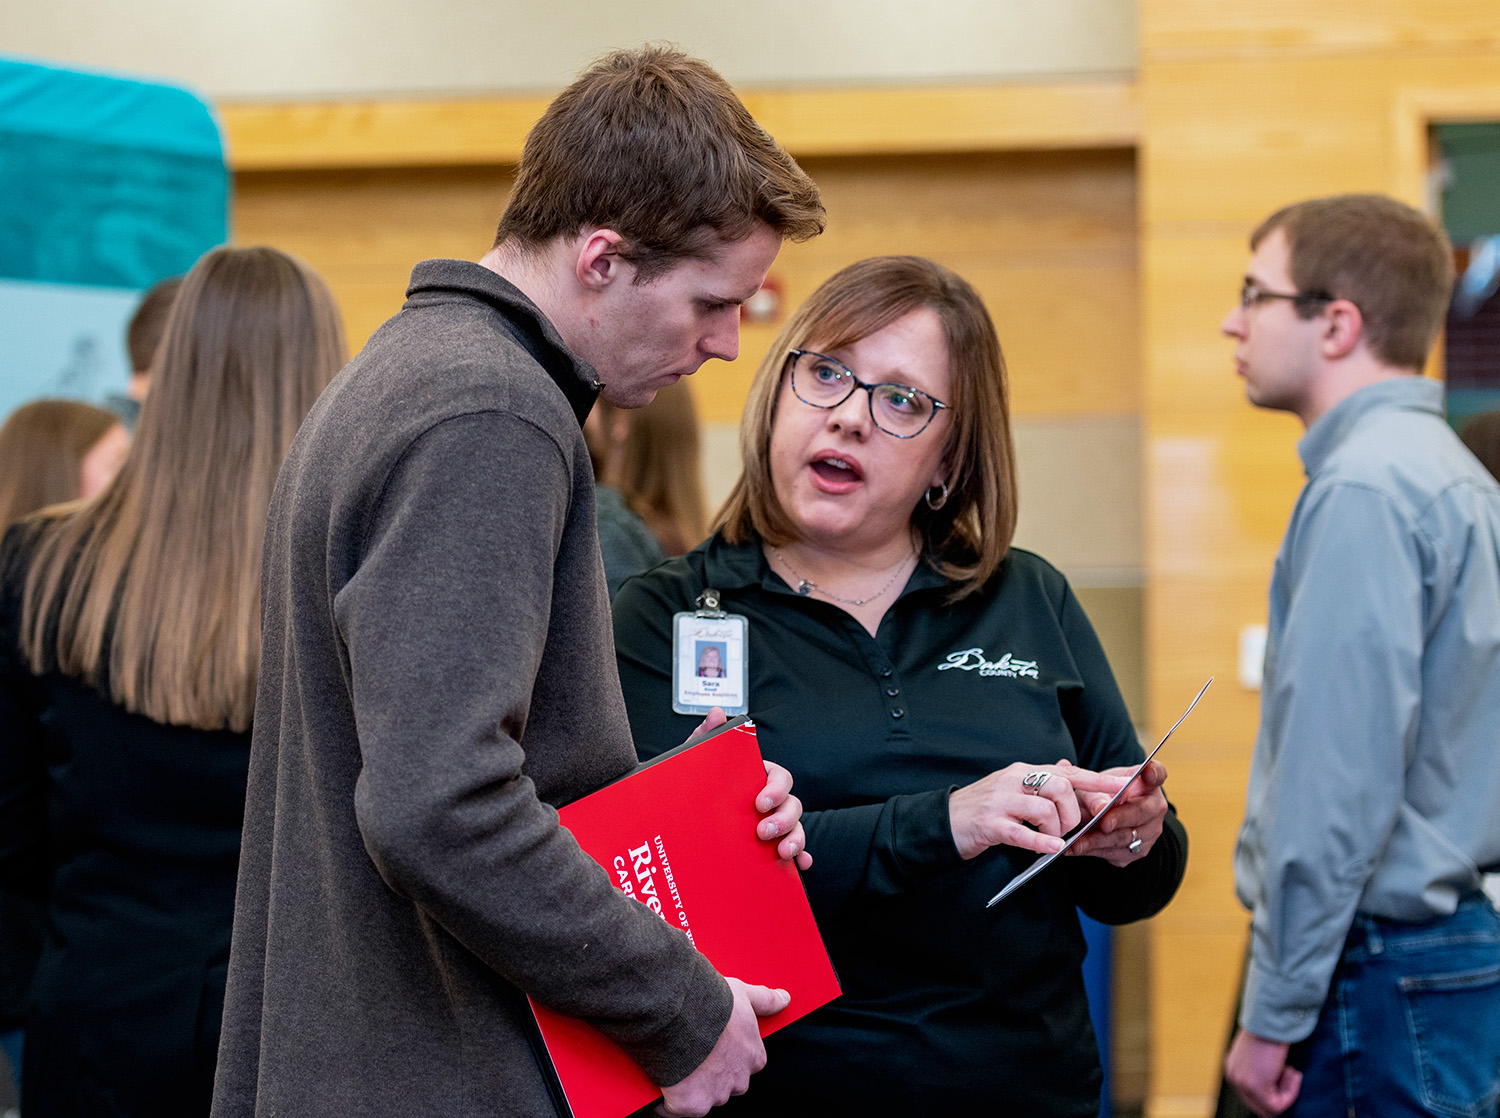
column 836, row 470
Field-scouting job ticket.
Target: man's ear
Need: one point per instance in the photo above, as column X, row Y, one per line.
column 1343, row 328
column 599, row 262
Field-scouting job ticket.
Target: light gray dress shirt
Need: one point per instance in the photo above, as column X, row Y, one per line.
column 1375, row 786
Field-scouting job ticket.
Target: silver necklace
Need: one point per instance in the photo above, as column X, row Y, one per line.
column 806, row 586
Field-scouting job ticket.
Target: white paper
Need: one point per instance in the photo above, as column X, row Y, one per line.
column 1046, row 859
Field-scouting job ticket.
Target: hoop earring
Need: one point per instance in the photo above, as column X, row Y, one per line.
column 942, row 498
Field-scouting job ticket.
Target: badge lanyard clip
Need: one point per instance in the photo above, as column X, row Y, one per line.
column 710, row 658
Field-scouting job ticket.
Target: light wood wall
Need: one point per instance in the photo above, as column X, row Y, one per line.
column 1247, row 107
column 1048, row 238
column 1029, row 191
column 363, row 229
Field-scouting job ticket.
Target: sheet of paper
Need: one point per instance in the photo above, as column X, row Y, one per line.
column 1046, row 859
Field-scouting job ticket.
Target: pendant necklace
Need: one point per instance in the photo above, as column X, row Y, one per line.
column 806, row 586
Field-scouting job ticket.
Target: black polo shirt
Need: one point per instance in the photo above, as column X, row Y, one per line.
column 947, row 1006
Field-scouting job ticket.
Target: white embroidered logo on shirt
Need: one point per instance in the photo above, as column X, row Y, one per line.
column 1008, row 666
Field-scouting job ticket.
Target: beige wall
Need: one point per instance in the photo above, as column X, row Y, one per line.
column 289, row 49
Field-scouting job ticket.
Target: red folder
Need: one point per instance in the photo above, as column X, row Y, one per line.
column 679, row 836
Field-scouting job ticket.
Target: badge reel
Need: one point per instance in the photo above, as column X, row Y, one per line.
column 710, row 659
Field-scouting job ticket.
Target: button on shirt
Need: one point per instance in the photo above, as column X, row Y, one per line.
column 948, row 1008
column 1376, row 775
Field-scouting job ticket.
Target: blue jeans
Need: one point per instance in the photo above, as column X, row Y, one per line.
column 1412, row 1022
column 12, row 1043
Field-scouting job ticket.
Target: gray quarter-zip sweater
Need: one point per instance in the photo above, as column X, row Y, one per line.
column 438, row 671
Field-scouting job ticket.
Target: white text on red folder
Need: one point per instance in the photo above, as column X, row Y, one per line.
column 642, row 867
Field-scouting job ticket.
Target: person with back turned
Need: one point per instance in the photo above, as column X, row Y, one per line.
column 129, row 654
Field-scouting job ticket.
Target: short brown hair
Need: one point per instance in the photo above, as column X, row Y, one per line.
column 968, row 537
column 42, row 445
column 149, row 323
column 152, row 588
column 1390, row 261
column 656, row 146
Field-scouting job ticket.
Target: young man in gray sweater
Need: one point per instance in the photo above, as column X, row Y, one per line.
column 438, row 669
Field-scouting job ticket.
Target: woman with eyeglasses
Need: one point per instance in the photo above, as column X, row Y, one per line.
column 941, row 698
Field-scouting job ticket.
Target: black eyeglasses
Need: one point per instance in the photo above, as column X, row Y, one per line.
column 1252, row 294
column 900, row 410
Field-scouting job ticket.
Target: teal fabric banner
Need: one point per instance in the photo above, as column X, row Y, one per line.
column 108, row 182
column 109, row 185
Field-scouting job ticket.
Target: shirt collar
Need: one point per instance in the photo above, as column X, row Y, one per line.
column 525, row 322
column 727, row 567
column 1413, row 393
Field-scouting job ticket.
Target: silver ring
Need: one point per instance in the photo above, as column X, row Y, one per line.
column 1032, row 782
column 1135, row 842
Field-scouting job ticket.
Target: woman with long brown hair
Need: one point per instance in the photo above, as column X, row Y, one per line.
column 659, row 471
column 129, row 647
column 53, row 451
column 650, row 455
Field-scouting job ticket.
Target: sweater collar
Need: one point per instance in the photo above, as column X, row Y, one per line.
column 575, row 377
column 1412, row 393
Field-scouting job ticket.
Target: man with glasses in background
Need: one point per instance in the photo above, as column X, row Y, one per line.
column 1373, row 809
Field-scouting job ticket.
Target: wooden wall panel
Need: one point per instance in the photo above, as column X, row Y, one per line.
column 1189, row 294
column 1220, row 152
column 1197, row 946
column 810, row 122
column 1047, row 238
column 1195, row 975
column 1245, row 109
column 1228, row 27
column 362, row 230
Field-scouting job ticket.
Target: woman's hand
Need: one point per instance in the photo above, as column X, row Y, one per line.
column 783, row 817
column 998, row 808
column 781, row 809
column 1139, row 814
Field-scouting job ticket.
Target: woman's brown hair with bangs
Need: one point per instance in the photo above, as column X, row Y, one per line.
column 967, row 537
column 151, row 590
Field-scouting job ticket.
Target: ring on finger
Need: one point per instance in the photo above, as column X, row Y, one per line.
column 1135, row 842
column 1032, row 782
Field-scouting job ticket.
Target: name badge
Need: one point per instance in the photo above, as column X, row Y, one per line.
column 710, row 659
